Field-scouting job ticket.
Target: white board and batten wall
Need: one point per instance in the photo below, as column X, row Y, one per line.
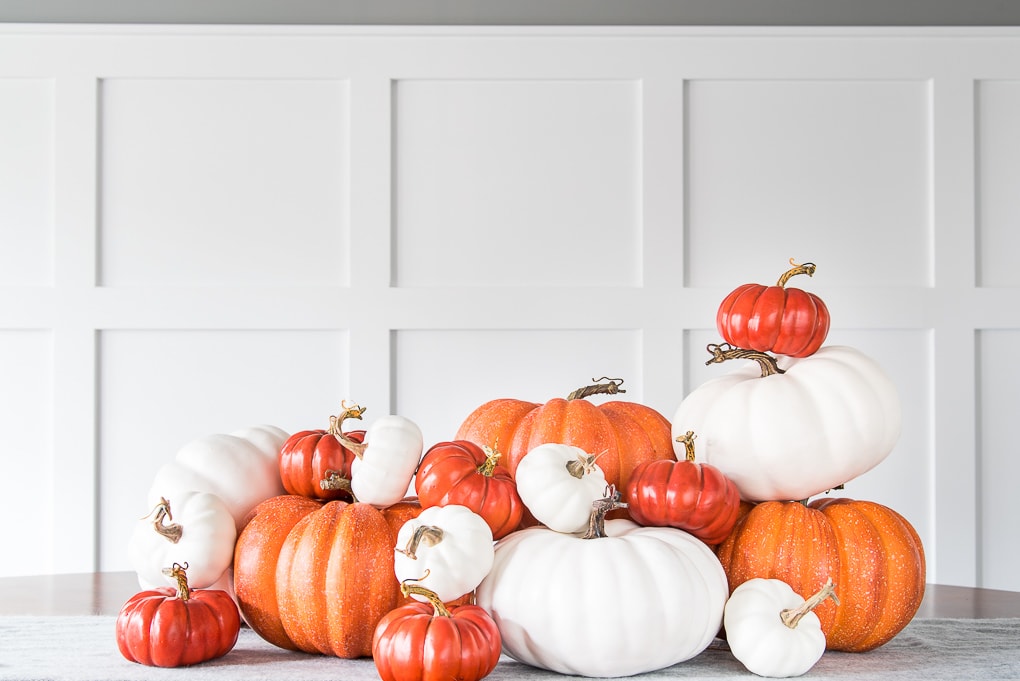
column 205, row 228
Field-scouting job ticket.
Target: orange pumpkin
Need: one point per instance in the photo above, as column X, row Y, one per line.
column 873, row 555
column 319, row 577
column 621, row 434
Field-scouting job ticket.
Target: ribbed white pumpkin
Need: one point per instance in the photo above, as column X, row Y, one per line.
column 640, row 599
column 829, row 418
column 448, row 548
column 381, row 474
column 240, row 468
column 558, row 483
column 195, row 528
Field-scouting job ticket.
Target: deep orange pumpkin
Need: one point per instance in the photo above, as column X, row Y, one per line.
column 621, row 434
column 316, row 577
column 873, row 555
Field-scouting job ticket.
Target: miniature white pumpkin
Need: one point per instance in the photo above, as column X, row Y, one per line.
column 446, row 548
column 558, row 483
column 772, row 630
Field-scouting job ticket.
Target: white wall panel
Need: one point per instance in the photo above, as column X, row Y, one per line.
column 26, row 181
column 161, row 389
column 999, row 463
column 26, row 419
column 517, row 183
column 216, row 181
column 443, row 375
column 816, row 170
column 998, row 175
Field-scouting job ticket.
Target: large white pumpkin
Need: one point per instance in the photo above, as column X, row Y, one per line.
column 827, row 419
column 241, row 468
column 637, row 600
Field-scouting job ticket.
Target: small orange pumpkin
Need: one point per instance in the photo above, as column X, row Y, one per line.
column 872, row 554
column 621, row 434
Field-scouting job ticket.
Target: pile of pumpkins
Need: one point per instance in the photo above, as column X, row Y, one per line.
column 592, row 540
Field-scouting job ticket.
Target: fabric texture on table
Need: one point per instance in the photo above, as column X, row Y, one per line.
column 84, row 649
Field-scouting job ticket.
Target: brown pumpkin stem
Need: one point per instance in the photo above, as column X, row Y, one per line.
column 807, row 268
column 336, row 428
column 724, row 351
column 429, row 535
column 582, row 465
column 488, row 466
column 688, row 440
column 335, row 480
column 407, row 588
column 599, row 509
column 172, row 533
column 610, row 388
column 791, row 616
column 179, row 572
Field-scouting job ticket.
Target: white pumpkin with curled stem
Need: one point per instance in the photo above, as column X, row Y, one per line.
column 772, row 630
column 385, row 462
column 451, row 544
column 558, row 483
column 198, row 530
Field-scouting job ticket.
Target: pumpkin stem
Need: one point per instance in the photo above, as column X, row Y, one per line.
column 722, row 352
column 335, row 480
column 179, row 572
column 488, row 466
column 688, row 440
column 791, row 617
column 336, row 428
column 407, row 588
column 599, row 509
column 807, row 268
column 429, row 535
column 172, row 533
column 610, row 388
column 583, row 464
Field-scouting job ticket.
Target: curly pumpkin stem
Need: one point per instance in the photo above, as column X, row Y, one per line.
column 172, row 533
column 599, row 509
column 791, row 616
column 336, row 428
column 610, row 388
column 723, row 351
column 179, row 572
column 429, row 535
column 807, row 268
column 407, row 588
column 688, row 441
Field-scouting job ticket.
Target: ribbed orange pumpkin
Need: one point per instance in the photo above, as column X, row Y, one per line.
column 873, row 555
column 316, row 577
column 621, row 434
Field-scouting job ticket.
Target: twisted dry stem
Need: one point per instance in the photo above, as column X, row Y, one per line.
column 791, row 616
column 688, row 441
column 172, row 532
column 179, row 572
column 807, row 268
column 722, row 352
column 610, row 388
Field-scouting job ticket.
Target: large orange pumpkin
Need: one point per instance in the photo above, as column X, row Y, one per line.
column 621, row 434
column 873, row 555
column 319, row 577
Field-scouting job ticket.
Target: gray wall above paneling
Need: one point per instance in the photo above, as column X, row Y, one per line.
column 522, row 12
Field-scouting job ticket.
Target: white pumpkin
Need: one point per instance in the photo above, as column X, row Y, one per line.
column 240, row 468
column 446, row 548
column 385, row 462
column 194, row 528
column 627, row 601
column 825, row 420
column 558, row 483
column 771, row 630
